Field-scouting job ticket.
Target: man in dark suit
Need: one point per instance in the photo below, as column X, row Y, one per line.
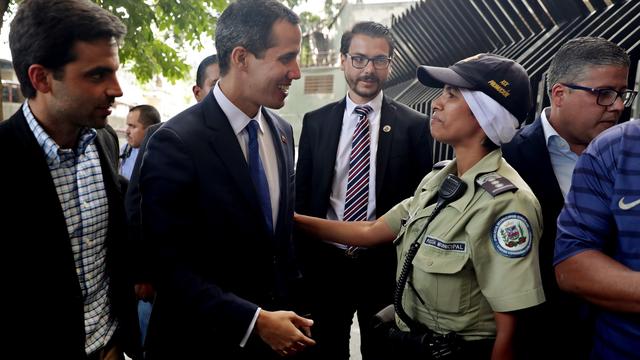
column 62, row 216
column 397, row 154
column 583, row 81
column 217, row 186
column 207, row 75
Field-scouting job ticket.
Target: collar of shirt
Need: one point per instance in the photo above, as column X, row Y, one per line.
column 375, row 103
column 553, row 140
column 489, row 163
column 237, row 118
column 53, row 153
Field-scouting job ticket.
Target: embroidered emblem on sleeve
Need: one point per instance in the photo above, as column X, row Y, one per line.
column 511, row 235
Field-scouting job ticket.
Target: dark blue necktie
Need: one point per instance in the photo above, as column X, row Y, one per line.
column 259, row 177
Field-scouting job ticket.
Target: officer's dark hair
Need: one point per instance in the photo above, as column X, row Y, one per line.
column 149, row 115
column 249, row 23
column 201, row 73
column 572, row 61
column 45, row 32
column 368, row 28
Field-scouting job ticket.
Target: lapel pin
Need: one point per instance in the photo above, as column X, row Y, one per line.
column 283, row 139
column 386, row 128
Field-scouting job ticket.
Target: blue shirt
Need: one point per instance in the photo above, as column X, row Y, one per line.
column 128, row 157
column 563, row 160
column 77, row 176
column 602, row 212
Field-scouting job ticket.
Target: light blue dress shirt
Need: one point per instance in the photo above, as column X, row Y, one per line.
column 563, row 160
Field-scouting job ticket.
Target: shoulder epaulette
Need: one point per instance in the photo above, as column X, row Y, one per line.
column 495, row 184
column 441, row 164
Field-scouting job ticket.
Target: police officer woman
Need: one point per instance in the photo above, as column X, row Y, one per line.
column 473, row 261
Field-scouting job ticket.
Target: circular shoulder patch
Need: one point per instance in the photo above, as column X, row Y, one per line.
column 511, row 235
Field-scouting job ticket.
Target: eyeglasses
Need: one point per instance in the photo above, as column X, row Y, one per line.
column 606, row 97
column 361, row 62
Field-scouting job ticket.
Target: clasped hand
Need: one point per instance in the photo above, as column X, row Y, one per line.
column 284, row 331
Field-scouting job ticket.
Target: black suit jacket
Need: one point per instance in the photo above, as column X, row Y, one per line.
column 213, row 259
column 404, row 156
column 561, row 319
column 43, row 303
column 132, row 209
column 528, row 154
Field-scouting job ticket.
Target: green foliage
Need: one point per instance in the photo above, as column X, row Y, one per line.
column 159, row 29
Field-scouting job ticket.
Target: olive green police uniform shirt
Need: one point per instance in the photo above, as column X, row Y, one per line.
column 477, row 257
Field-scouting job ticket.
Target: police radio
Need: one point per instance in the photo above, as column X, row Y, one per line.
column 436, row 346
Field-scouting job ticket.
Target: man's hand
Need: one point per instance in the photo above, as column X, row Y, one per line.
column 283, row 331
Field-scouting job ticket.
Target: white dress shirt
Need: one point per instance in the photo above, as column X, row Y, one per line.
column 563, row 160
column 341, row 168
column 239, row 122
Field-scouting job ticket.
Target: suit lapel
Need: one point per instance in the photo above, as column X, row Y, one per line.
column 224, row 142
column 280, row 143
column 104, row 145
column 537, row 154
column 329, row 139
column 39, row 181
column 387, row 118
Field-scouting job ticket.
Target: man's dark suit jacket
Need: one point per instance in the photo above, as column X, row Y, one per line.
column 132, row 210
column 43, row 302
column 213, row 259
column 557, row 321
column 403, row 158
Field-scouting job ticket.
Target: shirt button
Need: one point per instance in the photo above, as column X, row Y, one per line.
column 429, row 262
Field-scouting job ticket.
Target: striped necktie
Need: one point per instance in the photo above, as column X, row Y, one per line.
column 357, row 198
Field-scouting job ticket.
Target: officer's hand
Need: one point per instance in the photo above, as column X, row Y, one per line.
column 283, row 331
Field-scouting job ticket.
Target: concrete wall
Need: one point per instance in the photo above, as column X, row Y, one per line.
column 298, row 103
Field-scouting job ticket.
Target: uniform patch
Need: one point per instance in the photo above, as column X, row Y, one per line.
column 495, row 184
column 511, row 235
column 439, row 244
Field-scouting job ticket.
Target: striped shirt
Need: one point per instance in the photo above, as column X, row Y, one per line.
column 601, row 213
column 77, row 176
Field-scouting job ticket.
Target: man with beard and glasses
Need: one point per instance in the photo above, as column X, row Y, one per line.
column 357, row 158
column 62, row 215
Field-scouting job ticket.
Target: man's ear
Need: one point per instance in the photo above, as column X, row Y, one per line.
column 239, row 57
column 40, row 78
column 558, row 93
column 196, row 91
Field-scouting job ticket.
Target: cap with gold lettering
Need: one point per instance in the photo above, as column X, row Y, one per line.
column 502, row 79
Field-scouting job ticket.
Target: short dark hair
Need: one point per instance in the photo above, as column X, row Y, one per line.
column 148, row 115
column 249, row 23
column 45, row 31
column 573, row 58
column 201, row 73
column 368, row 28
